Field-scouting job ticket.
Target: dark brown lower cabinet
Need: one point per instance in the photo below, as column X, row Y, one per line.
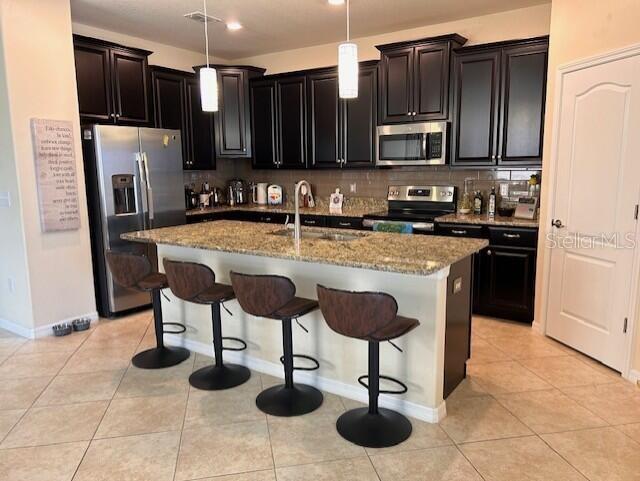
column 504, row 272
column 506, row 282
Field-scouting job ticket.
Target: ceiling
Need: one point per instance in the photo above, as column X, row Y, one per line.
column 274, row 25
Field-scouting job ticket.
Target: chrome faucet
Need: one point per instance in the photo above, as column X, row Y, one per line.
column 297, row 230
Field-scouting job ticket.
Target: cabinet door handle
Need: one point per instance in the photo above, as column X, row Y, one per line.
column 338, row 161
column 511, row 236
column 493, row 157
column 460, row 232
column 344, row 224
column 310, row 222
column 489, row 252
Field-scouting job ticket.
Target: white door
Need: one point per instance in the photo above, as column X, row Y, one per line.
column 597, row 187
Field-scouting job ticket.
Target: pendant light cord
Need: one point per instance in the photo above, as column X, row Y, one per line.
column 206, row 32
column 347, row 20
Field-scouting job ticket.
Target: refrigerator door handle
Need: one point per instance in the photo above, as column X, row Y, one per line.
column 145, row 159
column 142, row 187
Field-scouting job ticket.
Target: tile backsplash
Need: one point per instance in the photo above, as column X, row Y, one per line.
column 367, row 182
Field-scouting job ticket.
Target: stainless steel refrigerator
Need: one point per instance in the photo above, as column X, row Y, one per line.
column 134, row 182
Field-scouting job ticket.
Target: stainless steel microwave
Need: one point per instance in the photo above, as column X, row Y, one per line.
column 423, row 143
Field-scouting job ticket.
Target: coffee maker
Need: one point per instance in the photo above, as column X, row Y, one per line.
column 236, row 192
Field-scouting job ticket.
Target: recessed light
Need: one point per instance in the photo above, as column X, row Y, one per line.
column 336, row 2
column 234, row 26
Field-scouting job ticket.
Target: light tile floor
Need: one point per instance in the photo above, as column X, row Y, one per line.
column 531, row 410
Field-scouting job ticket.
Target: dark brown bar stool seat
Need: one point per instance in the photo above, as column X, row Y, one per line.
column 373, row 317
column 134, row 271
column 197, row 283
column 274, row 297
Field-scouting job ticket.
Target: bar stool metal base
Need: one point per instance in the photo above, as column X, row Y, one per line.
column 215, row 378
column 382, row 430
column 160, row 357
column 294, row 401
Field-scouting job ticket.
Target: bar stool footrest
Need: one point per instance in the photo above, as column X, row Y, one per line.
column 403, row 387
column 316, row 363
column 243, row 345
column 180, row 328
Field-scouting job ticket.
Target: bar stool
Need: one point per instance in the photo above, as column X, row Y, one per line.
column 134, row 271
column 274, row 297
column 370, row 316
column 197, row 283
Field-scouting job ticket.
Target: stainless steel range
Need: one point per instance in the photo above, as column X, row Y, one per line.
column 415, row 205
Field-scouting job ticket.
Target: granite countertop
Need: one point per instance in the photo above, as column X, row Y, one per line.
column 486, row 220
column 401, row 253
column 284, row 209
column 357, row 210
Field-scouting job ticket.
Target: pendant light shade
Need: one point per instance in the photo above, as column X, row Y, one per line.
column 348, row 67
column 348, row 70
column 209, row 89
column 208, row 75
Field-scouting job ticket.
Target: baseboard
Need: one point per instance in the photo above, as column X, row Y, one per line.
column 349, row 391
column 537, row 326
column 634, row 376
column 16, row 328
column 40, row 331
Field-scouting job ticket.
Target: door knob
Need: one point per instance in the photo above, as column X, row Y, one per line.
column 557, row 223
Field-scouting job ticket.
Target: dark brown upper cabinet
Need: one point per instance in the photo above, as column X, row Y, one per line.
column 263, row 124
column 200, row 129
column 523, row 95
column 341, row 132
column 414, row 79
column 177, row 105
column 475, row 117
column 278, row 109
column 112, row 82
column 498, row 103
column 291, row 98
column 325, row 120
column 233, row 119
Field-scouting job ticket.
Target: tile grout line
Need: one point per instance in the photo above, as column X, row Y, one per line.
column 563, row 458
column 266, row 419
column 75, row 472
column 184, row 417
column 42, row 391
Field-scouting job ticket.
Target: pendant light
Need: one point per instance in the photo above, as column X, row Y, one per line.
column 208, row 75
column 348, row 66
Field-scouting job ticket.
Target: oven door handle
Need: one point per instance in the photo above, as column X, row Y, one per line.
column 423, row 226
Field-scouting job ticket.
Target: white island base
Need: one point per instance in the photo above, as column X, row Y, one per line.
column 342, row 360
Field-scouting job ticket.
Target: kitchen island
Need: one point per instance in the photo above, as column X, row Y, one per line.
column 430, row 277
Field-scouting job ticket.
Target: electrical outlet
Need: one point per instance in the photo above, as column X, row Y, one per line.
column 5, row 199
column 504, row 190
column 11, row 284
column 352, row 188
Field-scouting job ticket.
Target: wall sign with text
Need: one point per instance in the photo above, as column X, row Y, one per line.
column 56, row 176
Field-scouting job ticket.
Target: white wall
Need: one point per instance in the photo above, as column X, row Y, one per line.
column 40, row 81
column 16, row 305
column 163, row 55
column 581, row 29
column 521, row 23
